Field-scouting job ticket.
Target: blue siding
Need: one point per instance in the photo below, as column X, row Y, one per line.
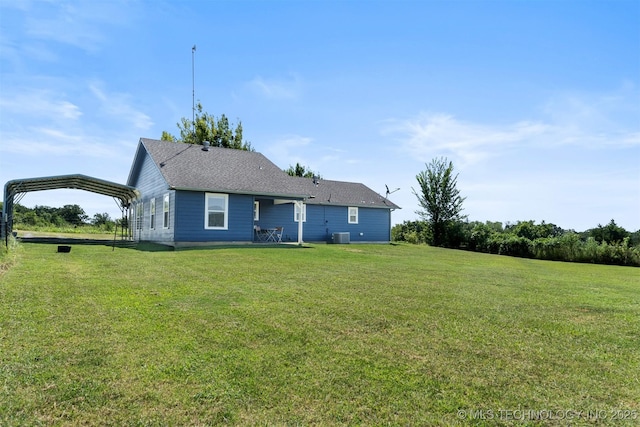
column 190, row 219
column 322, row 221
column 373, row 223
column 151, row 184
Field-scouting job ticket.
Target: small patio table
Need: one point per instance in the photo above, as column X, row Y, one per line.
column 270, row 234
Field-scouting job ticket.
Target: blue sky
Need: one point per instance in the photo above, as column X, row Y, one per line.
column 537, row 103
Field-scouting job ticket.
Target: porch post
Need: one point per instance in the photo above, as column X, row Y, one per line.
column 299, row 205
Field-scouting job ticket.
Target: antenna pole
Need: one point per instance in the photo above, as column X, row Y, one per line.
column 193, row 89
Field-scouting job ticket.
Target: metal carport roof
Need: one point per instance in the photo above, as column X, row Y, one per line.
column 124, row 193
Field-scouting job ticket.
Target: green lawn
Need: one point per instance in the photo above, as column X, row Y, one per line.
column 323, row 335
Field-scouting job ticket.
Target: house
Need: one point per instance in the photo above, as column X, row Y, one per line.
column 194, row 194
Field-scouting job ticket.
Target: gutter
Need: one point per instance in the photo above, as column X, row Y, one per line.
column 249, row 193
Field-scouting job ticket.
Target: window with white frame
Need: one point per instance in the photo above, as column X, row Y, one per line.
column 152, row 214
column 296, row 212
column 139, row 215
column 256, row 211
column 353, row 215
column 165, row 211
column 216, row 211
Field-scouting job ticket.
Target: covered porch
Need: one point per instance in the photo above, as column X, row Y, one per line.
column 277, row 220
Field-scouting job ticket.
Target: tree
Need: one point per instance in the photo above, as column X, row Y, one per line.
column 101, row 219
column 301, row 171
column 166, row 136
column 439, row 198
column 411, row 232
column 73, row 214
column 610, row 233
column 206, row 128
column 530, row 230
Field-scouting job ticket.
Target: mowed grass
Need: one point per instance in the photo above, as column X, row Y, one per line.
column 323, row 335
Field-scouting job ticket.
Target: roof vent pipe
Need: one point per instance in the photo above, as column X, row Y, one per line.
column 205, row 145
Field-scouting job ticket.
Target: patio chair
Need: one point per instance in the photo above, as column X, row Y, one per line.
column 259, row 233
column 278, row 234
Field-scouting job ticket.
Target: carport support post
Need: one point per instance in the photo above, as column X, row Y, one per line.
column 3, row 228
column 4, row 220
column 299, row 205
column 4, row 233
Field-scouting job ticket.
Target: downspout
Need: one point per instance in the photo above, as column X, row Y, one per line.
column 390, row 210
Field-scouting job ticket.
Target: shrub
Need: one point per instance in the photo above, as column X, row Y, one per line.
column 551, row 243
column 563, row 248
column 509, row 244
column 547, row 248
column 411, row 232
column 479, row 237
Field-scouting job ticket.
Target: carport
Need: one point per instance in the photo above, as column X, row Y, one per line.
column 15, row 190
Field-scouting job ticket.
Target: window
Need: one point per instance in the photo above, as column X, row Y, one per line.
column 256, row 211
column 139, row 215
column 152, row 214
column 165, row 211
column 216, row 215
column 296, row 212
column 353, row 215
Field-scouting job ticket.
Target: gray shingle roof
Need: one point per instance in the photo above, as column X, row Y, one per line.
column 342, row 193
column 188, row 167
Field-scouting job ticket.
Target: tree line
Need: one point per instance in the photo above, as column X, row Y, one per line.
column 443, row 224
column 66, row 216
column 609, row 244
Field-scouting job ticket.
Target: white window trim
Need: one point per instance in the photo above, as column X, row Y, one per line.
column 296, row 213
column 152, row 214
column 256, row 210
column 349, row 214
column 166, row 219
column 206, row 211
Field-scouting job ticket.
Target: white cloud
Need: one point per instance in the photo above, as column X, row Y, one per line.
column 79, row 24
column 39, row 52
column 590, row 122
column 595, row 120
column 277, row 89
column 40, row 104
column 285, row 150
column 23, row 5
column 39, row 141
column 119, row 105
column 430, row 135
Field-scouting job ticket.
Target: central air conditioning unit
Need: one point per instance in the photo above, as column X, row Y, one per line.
column 340, row 237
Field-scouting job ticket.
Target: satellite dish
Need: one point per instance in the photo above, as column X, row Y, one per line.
column 390, row 192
